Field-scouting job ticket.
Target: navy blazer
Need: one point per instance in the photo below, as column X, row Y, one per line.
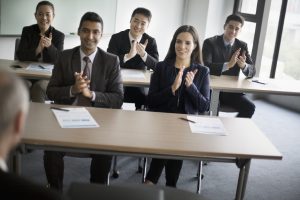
column 214, row 56
column 16, row 187
column 30, row 39
column 106, row 79
column 196, row 97
column 120, row 45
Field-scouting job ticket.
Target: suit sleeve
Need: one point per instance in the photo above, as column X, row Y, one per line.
column 208, row 52
column 199, row 92
column 113, row 47
column 26, row 51
column 113, row 96
column 58, row 90
column 51, row 53
column 250, row 70
column 157, row 95
column 152, row 57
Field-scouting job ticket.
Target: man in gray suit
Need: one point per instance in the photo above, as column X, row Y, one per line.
column 226, row 55
column 84, row 76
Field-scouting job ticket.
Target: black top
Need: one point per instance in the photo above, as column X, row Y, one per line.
column 192, row 100
column 214, row 56
column 30, row 40
column 120, row 45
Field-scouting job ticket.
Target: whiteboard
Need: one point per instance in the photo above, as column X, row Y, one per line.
column 15, row 14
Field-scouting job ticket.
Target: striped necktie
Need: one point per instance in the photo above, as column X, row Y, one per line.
column 82, row 100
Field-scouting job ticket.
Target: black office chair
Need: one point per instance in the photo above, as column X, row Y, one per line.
column 17, row 43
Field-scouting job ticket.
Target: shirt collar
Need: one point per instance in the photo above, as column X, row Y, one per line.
column 131, row 38
column 3, row 165
column 91, row 56
column 228, row 43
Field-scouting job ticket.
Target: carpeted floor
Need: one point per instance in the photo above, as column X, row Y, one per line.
column 267, row 179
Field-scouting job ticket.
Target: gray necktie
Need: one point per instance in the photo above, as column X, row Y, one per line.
column 82, row 100
column 228, row 52
column 86, row 70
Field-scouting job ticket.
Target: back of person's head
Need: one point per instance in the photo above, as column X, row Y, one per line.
column 235, row 17
column 44, row 3
column 14, row 99
column 196, row 56
column 90, row 16
column 142, row 11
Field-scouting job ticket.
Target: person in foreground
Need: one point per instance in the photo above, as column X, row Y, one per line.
column 14, row 104
column 136, row 50
column 180, row 84
column 41, row 42
column 84, row 76
column 226, row 55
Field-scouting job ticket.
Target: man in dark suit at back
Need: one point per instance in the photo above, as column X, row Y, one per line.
column 84, row 76
column 136, row 50
column 13, row 108
column 226, row 55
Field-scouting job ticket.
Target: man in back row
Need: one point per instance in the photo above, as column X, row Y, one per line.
column 226, row 55
column 14, row 104
column 136, row 50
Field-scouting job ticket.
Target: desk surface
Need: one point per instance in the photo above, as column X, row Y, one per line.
column 222, row 83
column 149, row 133
column 130, row 79
column 241, row 84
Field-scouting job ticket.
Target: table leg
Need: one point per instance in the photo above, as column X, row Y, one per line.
column 214, row 102
column 199, row 176
column 144, row 170
column 244, row 165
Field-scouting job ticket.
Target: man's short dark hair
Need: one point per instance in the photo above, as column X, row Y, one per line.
column 235, row 17
column 142, row 11
column 91, row 16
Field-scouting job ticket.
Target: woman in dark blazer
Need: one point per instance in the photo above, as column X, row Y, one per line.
column 41, row 42
column 180, row 84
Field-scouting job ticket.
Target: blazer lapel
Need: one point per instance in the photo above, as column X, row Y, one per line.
column 76, row 62
column 222, row 47
column 95, row 69
column 126, row 41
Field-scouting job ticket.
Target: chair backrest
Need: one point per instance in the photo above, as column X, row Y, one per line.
column 17, row 43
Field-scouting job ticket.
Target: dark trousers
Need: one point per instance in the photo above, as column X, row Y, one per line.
column 54, row 168
column 238, row 101
column 135, row 95
column 172, row 170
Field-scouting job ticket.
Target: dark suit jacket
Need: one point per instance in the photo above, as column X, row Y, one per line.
column 30, row 40
column 119, row 44
column 106, row 79
column 15, row 187
column 196, row 97
column 214, row 56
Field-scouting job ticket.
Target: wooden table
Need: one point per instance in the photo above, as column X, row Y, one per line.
column 242, row 84
column 159, row 135
column 130, row 79
column 217, row 83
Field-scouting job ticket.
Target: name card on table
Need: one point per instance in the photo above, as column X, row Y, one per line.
column 206, row 125
column 74, row 118
column 44, row 67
